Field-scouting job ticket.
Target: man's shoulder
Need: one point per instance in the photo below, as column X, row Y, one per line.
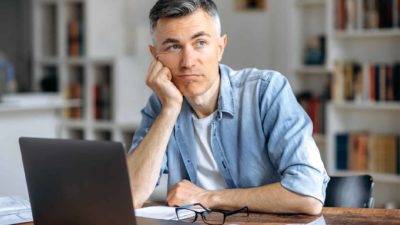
column 242, row 76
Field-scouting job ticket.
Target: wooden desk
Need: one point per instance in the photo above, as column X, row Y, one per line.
column 331, row 216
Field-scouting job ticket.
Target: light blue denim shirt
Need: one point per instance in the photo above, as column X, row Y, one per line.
column 261, row 135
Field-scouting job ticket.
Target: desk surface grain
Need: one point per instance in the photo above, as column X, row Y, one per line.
column 329, row 216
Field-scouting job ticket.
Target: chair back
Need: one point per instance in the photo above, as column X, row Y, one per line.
column 350, row 192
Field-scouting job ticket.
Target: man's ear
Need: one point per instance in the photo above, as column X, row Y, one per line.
column 153, row 51
column 223, row 40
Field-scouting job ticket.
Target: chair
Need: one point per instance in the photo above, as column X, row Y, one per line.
column 350, row 192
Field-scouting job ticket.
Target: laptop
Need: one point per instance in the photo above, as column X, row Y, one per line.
column 76, row 182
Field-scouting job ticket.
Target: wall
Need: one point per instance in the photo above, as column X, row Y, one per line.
column 251, row 34
column 15, row 38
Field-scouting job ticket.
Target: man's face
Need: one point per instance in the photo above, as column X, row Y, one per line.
column 191, row 48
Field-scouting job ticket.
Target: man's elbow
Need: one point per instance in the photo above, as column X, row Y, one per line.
column 138, row 200
column 312, row 206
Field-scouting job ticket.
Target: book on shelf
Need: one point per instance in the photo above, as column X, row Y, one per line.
column 314, row 107
column 314, row 52
column 353, row 81
column 374, row 14
column 398, row 13
column 74, row 91
column 102, row 101
column 363, row 151
column 342, row 142
column 357, row 154
column 76, row 31
column 398, row 155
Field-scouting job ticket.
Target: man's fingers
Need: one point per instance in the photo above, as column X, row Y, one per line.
column 158, row 70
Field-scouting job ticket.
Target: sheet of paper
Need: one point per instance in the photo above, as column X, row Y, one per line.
column 158, row 212
column 22, row 216
column 12, row 204
column 14, row 210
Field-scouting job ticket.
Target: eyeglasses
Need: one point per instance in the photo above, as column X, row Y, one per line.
column 189, row 213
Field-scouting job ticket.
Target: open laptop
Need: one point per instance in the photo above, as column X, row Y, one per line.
column 75, row 182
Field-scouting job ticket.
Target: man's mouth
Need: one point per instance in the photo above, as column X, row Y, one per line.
column 187, row 77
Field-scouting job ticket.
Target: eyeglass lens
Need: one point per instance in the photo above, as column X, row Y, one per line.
column 213, row 217
column 186, row 215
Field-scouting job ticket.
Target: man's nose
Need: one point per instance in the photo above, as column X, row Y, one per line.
column 188, row 58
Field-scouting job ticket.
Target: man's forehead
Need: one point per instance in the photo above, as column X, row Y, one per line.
column 198, row 21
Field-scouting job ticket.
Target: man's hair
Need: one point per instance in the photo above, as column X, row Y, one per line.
column 178, row 8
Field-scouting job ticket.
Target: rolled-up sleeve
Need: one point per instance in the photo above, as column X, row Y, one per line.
column 291, row 147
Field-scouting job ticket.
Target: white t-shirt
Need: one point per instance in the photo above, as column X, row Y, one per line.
column 208, row 174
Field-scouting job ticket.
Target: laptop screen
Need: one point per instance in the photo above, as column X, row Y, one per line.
column 77, row 182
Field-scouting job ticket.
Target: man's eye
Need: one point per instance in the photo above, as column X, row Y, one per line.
column 173, row 47
column 200, row 43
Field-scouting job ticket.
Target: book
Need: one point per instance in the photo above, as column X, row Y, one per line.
column 337, row 83
column 389, row 83
column 382, row 82
column 385, row 11
column 396, row 82
column 398, row 155
column 75, row 30
column 377, row 83
column 372, row 14
column 366, row 87
column 372, row 82
column 390, row 161
column 398, row 13
column 341, row 14
column 351, row 12
column 358, row 151
column 342, row 142
column 372, row 154
column 348, row 81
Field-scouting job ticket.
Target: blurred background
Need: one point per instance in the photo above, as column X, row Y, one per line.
column 76, row 69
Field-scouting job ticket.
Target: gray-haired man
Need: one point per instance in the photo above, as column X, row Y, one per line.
column 228, row 138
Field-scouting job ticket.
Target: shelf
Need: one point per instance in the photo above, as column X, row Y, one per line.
column 48, row 60
column 390, row 106
column 372, row 33
column 74, row 123
column 310, row 2
column 312, row 70
column 103, row 125
column 378, row 177
column 128, row 125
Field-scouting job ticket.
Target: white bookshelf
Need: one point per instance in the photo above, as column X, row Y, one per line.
column 378, row 45
column 363, row 46
column 372, row 33
column 308, row 20
column 312, row 70
column 310, row 2
column 381, row 118
column 90, row 63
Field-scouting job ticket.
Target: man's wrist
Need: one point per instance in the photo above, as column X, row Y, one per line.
column 213, row 198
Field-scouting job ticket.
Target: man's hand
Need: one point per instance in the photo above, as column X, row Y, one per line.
column 159, row 80
column 186, row 192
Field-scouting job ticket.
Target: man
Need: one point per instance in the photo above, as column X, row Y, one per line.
column 227, row 138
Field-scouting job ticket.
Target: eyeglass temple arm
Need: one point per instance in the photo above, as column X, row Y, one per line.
column 238, row 210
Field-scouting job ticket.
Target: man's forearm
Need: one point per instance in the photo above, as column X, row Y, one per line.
column 269, row 198
column 145, row 162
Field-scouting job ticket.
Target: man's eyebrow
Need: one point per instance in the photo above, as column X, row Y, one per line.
column 199, row 34
column 174, row 41
column 169, row 40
